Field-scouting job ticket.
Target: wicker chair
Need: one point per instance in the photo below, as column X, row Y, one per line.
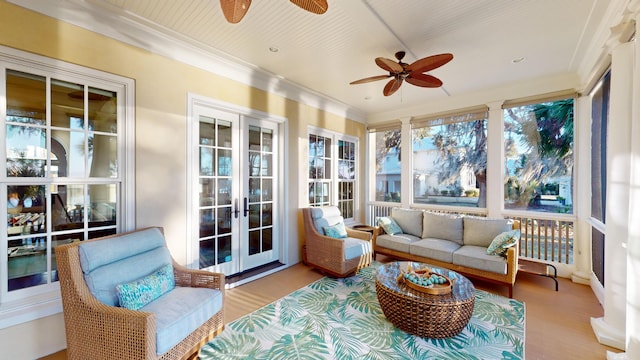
column 335, row 257
column 95, row 330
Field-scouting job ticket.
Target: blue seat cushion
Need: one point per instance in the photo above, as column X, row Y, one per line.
column 180, row 311
column 354, row 248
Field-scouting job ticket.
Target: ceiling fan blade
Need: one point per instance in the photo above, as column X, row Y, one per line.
column 392, row 86
column 314, row 6
column 234, row 10
column 423, row 80
column 429, row 63
column 389, row 65
column 369, row 79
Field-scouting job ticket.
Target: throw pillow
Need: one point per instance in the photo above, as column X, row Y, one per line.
column 337, row 231
column 502, row 242
column 138, row 293
column 389, row 225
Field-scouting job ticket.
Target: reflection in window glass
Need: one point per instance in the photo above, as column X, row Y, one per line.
column 450, row 160
column 319, row 170
column 346, row 177
column 43, row 209
column 539, row 157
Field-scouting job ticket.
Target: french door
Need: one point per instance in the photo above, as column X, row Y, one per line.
column 237, row 205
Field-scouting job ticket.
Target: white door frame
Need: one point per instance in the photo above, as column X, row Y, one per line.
column 192, row 232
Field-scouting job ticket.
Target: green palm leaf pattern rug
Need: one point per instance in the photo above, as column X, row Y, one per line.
column 342, row 319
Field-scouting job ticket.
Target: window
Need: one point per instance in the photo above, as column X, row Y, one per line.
column 539, row 156
column 450, row 159
column 64, row 166
column 319, row 170
column 332, row 171
column 346, row 177
column 599, row 124
column 388, row 170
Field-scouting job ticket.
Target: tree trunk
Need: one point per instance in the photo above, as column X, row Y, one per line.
column 481, row 182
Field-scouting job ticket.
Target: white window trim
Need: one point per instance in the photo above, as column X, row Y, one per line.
column 335, row 137
column 38, row 304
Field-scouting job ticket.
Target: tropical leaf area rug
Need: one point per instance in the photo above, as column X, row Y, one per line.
column 342, row 319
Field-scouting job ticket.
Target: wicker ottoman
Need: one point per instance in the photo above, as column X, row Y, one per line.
column 422, row 314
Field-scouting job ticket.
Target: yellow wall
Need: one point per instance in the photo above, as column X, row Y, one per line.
column 162, row 86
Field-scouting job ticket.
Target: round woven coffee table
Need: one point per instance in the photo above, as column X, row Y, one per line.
column 419, row 313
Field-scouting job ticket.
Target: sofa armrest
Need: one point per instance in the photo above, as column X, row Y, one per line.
column 198, row 278
column 359, row 234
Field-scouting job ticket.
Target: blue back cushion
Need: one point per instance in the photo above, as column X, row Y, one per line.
column 107, row 263
column 325, row 216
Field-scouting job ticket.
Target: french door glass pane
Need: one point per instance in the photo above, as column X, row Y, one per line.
column 216, row 159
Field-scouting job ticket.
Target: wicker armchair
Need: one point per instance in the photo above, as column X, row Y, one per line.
column 335, row 257
column 95, row 330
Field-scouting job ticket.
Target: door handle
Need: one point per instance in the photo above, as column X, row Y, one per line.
column 246, row 207
column 236, row 211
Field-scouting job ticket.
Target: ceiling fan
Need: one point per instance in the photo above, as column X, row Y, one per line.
column 234, row 10
column 413, row 73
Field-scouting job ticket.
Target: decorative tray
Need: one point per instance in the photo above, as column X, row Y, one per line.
column 426, row 281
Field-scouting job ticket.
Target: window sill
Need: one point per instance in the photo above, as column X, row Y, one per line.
column 29, row 309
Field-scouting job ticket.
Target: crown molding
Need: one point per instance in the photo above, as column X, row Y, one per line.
column 128, row 28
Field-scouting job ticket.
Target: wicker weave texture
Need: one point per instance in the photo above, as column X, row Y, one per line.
column 327, row 254
column 421, row 314
column 98, row 331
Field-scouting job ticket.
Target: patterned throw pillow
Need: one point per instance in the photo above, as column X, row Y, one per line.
column 138, row 293
column 502, row 242
column 338, row 231
column 389, row 225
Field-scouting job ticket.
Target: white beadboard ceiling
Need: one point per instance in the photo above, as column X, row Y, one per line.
column 323, row 53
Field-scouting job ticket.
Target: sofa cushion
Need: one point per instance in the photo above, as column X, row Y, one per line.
column 502, row 242
column 436, row 249
column 107, row 263
column 337, row 231
column 442, row 226
column 354, row 248
column 389, row 225
column 180, row 311
column 410, row 220
column 325, row 216
column 398, row 242
column 476, row 257
column 136, row 294
column 481, row 231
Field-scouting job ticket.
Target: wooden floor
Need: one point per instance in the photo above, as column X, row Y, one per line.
column 557, row 323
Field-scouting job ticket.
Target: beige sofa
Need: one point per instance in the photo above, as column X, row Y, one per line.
column 454, row 242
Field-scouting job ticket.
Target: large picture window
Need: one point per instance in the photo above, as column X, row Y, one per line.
column 64, row 173
column 450, row 159
column 539, row 156
column 332, row 171
column 388, row 180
